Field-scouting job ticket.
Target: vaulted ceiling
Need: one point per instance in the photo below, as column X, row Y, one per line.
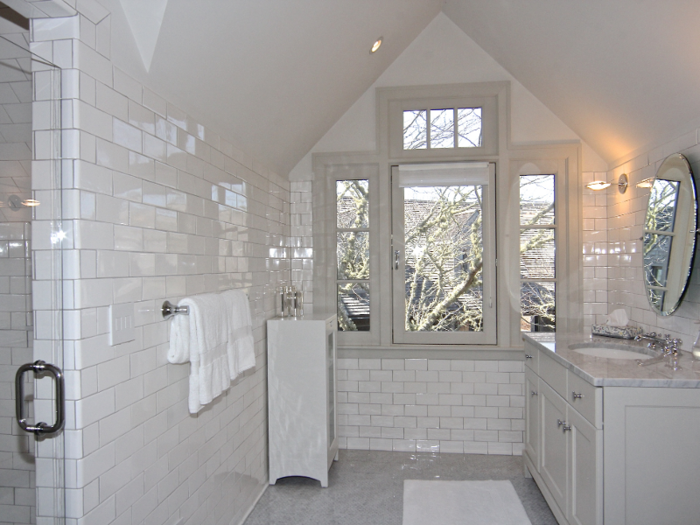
column 277, row 74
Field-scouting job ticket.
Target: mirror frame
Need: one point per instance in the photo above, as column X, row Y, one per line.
column 675, row 167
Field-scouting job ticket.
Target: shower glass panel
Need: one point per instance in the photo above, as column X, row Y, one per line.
column 31, row 466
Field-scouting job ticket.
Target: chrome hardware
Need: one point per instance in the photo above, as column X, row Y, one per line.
column 673, row 357
column 560, row 422
column 528, row 356
column 533, row 393
column 169, row 310
column 576, row 396
column 38, row 367
column 397, row 255
column 670, row 349
column 566, row 428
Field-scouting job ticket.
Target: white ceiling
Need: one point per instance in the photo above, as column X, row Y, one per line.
column 275, row 75
column 621, row 73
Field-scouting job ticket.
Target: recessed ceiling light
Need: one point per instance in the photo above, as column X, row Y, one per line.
column 376, row 45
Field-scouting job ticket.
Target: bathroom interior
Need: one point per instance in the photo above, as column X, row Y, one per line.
column 155, row 153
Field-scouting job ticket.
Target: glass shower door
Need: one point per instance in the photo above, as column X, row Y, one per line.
column 31, row 343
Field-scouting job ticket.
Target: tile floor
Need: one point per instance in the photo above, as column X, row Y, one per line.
column 367, row 488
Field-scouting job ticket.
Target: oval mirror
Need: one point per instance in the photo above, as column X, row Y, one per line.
column 669, row 234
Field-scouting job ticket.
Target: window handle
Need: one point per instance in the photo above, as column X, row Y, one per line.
column 397, row 256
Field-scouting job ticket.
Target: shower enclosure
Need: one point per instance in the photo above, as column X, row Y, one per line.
column 31, row 239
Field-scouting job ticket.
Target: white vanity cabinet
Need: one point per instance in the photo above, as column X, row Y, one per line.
column 563, row 447
column 301, row 380
column 619, row 448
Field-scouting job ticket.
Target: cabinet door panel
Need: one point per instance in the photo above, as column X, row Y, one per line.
column 586, row 469
column 532, row 418
column 554, row 448
column 652, row 455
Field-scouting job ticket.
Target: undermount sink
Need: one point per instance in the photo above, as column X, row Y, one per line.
column 609, row 352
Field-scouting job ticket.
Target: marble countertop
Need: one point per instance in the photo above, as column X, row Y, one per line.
column 600, row 371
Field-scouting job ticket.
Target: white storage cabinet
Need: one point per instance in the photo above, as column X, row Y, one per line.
column 613, row 455
column 301, row 379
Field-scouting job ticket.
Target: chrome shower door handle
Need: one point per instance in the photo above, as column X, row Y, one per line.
column 38, row 367
column 397, row 256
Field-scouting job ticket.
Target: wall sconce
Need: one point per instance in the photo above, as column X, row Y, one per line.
column 621, row 184
column 646, row 183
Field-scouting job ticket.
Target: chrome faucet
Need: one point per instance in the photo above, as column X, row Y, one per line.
column 670, row 349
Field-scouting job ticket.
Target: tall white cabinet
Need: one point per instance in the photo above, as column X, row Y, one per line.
column 301, row 378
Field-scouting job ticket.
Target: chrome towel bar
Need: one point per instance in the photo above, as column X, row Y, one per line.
column 169, row 310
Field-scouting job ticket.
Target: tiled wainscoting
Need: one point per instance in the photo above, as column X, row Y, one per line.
column 431, row 405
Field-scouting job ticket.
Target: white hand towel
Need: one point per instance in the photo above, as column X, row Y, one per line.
column 208, row 328
column 241, row 347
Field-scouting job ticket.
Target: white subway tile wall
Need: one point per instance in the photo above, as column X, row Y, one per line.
column 431, row 405
column 595, row 252
column 301, row 239
column 159, row 207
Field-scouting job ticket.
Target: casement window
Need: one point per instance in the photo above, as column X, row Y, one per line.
column 443, row 253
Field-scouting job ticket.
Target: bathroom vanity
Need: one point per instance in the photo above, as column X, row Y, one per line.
column 301, row 379
column 608, row 441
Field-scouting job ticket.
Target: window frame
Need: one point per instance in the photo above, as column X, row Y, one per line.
column 330, row 169
column 492, row 97
column 562, row 159
column 489, row 335
column 563, row 162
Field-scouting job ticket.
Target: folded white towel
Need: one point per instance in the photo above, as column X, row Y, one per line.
column 206, row 332
column 241, row 347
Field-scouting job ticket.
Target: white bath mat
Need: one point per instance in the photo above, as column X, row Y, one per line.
column 462, row 503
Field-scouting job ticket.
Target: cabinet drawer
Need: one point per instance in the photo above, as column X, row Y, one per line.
column 590, row 405
column 532, row 357
column 554, row 374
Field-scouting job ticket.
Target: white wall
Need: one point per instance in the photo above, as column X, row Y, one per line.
column 157, row 207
